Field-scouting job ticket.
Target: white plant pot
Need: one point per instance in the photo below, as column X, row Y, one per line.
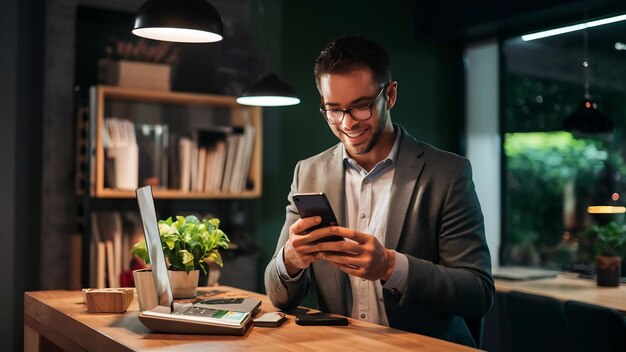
column 184, row 285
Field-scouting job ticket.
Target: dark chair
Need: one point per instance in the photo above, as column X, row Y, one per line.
column 595, row 328
column 537, row 323
column 475, row 326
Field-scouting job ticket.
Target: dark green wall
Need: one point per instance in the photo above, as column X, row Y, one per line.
column 429, row 96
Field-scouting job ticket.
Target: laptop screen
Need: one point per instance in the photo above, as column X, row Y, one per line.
column 153, row 245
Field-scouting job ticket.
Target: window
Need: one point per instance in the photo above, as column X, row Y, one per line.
column 551, row 174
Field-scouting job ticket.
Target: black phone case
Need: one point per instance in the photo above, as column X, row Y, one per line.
column 310, row 320
column 316, row 204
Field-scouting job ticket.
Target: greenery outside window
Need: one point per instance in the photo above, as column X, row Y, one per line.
column 551, row 176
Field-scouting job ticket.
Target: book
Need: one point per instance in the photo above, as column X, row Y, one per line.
column 110, row 228
column 229, row 164
column 213, row 139
column 250, row 143
column 185, row 164
column 208, row 172
column 217, row 172
column 248, row 148
column 173, row 164
column 100, row 265
column 111, row 275
column 201, row 169
column 235, row 182
column 193, row 169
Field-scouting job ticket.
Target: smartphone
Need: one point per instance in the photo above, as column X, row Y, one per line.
column 308, row 320
column 316, row 204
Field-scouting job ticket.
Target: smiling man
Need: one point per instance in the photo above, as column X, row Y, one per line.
column 414, row 255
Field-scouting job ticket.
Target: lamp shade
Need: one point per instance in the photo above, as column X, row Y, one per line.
column 268, row 90
column 184, row 21
column 587, row 119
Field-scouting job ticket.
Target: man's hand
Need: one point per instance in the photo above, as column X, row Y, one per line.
column 364, row 256
column 299, row 251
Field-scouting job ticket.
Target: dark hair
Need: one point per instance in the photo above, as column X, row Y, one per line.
column 351, row 52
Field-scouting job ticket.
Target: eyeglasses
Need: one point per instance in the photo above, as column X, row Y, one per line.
column 335, row 116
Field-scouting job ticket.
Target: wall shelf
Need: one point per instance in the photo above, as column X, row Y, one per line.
column 184, row 113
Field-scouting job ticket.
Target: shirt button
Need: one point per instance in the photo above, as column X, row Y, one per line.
column 362, row 316
column 395, row 292
column 366, row 181
column 363, row 216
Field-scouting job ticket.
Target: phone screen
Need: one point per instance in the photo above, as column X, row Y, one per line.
column 316, row 204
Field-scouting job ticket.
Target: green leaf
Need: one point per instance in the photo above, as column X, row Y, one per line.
column 139, row 249
column 188, row 243
column 215, row 257
column 192, row 219
column 608, row 239
column 187, row 257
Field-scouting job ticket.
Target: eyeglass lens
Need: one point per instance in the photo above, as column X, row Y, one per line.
column 359, row 113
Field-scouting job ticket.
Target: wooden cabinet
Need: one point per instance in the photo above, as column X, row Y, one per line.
column 184, row 114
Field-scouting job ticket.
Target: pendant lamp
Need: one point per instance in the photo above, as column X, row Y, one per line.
column 268, row 90
column 184, row 21
column 587, row 118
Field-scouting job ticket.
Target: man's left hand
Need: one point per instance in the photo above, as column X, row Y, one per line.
column 364, row 256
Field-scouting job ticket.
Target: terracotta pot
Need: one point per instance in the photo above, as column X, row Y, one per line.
column 608, row 270
column 184, row 285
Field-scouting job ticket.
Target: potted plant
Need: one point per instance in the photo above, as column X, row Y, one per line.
column 609, row 243
column 189, row 245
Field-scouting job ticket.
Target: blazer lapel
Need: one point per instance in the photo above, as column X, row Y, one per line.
column 334, row 187
column 408, row 169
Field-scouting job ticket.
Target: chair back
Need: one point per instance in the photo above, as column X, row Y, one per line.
column 537, row 323
column 595, row 328
column 475, row 326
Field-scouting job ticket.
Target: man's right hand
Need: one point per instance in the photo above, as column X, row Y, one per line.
column 299, row 252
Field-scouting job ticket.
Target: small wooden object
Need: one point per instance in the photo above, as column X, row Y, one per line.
column 135, row 74
column 108, row 300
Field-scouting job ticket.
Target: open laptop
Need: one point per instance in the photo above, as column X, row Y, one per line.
column 229, row 316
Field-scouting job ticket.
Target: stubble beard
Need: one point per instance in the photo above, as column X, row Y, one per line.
column 379, row 128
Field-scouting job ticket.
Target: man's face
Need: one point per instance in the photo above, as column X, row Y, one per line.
column 356, row 89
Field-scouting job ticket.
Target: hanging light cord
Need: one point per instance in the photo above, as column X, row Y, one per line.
column 264, row 36
column 586, row 56
column 586, row 63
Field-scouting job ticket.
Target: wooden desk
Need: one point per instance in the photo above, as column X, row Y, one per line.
column 566, row 288
column 60, row 318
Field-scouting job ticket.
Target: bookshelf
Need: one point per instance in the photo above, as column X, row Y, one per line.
column 107, row 217
column 184, row 114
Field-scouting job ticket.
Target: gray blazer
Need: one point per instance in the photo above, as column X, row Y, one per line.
column 436, row 221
